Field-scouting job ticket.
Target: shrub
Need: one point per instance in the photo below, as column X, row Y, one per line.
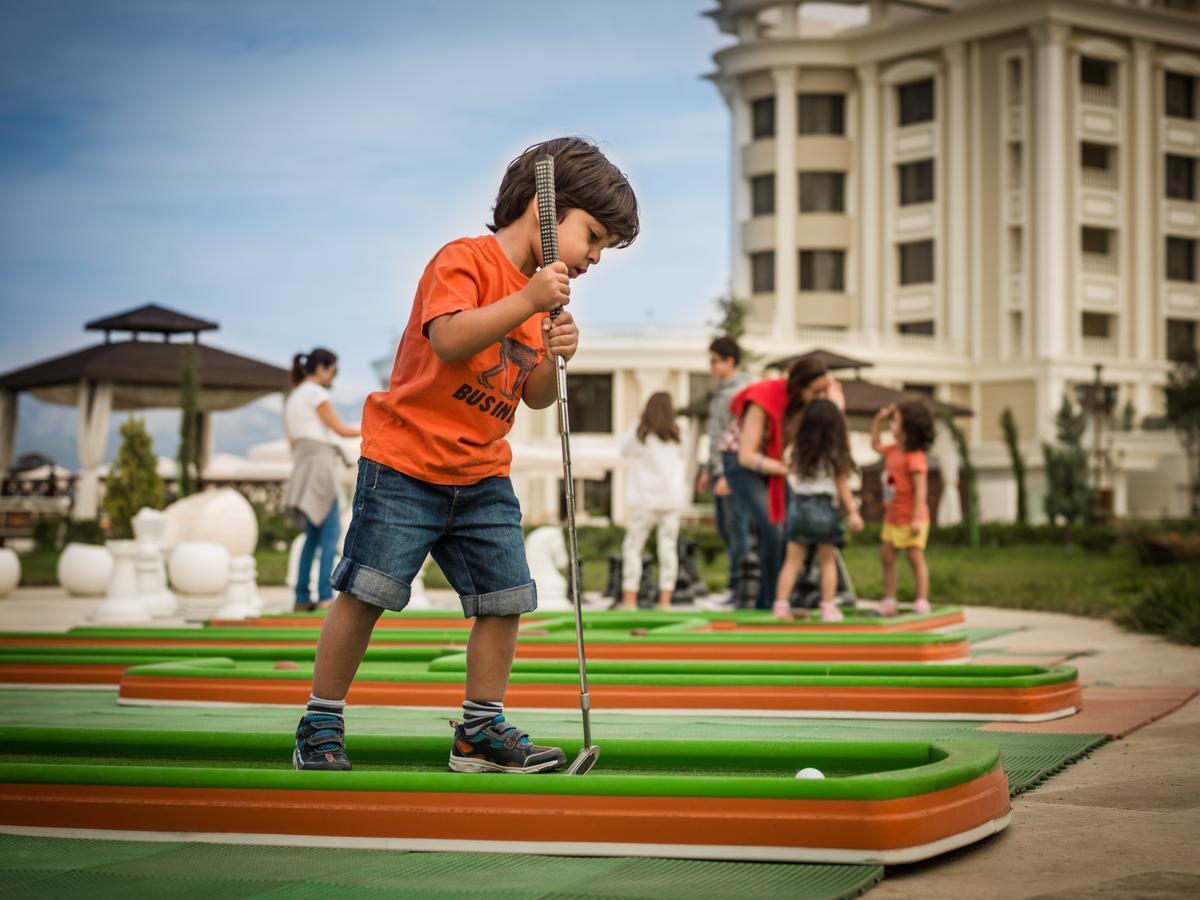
column 273, row 528
column 48, row 532
column 1169, row 607
column 84, row 531
column 133, row 480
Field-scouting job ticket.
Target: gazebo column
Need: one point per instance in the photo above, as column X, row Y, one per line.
column 95, row 407
column 204, row 443
column 8, row 428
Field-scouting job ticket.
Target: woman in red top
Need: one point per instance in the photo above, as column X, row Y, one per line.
column 767, row 410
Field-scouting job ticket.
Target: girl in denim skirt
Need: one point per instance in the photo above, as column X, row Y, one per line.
column 819, row 471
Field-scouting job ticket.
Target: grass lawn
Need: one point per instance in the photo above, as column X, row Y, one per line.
column 1036, row 576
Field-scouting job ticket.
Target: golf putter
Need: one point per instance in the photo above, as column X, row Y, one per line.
column 543, row 172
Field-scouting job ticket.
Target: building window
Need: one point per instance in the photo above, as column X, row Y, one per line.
column 594, row 499
column 1180, row 96
column 1097, row 325
column 822, row 192
column 1181, row 340
column 762, row 272
column 916, row 182
column 821, row 113
column 590, row 402
column 1181, row 177
column 925, row 390
column 1016, row 165
column 762, row 118
column 915, row 100
column 924, row 327
column 700, row 388
column 1016, row 247
column 762, row 195
column 822, row 270
column 1015, row 333
column 1098, row 164
column 916, row 262
column 1097, row 245
column 1014, row 76
column 1098, row 81
column 1181, row 259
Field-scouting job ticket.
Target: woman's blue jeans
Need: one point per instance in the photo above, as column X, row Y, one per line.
column 732, row 525
column 750, row 492
column 321, row 537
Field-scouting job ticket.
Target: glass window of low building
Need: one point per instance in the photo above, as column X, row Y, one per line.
column 762, row 118
column 1179, row 95
column 822, row 192
column 1096, row 72
column 821, row 113
column 925, row 390
column 1181, row 259
column 916, row 182
column 1095, row 240
column 916, row 102
column 916, row 262
column 1181, row 177
column 590, row 402
column 822, row 270
column 762, row 195
column 762, row 272
column 1181, row 340
column 923, row 327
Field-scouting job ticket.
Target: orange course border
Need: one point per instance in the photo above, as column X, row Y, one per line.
column 875, row 825
column 998, row 701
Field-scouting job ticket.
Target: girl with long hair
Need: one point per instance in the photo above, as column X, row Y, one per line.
column 819, row 471
column 310, row 495
column 654, row 496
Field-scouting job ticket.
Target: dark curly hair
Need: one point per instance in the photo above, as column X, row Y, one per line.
column 916, row 424
column 583, row 179
column 821, row 443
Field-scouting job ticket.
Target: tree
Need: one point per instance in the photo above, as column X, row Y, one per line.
column 189, row 391
column 733, row 317
column 133, row 480
column 1068, row 496
column 1182, row 394
column 1008, row 422
column 966, row 474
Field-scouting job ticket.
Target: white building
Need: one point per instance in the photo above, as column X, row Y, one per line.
column 989, row 198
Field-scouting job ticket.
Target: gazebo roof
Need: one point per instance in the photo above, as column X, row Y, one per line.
column 865, row 398
column 831, row 360
column 154, row 319
column 149, row 363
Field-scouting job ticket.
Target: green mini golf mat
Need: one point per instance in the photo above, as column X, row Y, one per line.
column 66, row 868
column 1028, row 758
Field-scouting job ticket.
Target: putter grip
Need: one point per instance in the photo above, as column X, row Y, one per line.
column 547, row 205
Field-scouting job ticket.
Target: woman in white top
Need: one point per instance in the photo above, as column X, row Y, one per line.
column 654, row 495
column 310, row 496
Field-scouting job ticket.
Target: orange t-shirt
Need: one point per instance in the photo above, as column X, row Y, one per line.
column 898, row 471
column 445, row 422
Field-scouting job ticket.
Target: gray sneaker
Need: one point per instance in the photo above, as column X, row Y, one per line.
column 501, row 746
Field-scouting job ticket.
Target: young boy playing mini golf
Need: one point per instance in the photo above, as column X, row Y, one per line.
column 433, row 477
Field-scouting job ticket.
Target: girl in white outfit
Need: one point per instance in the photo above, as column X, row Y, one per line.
column 654, row 495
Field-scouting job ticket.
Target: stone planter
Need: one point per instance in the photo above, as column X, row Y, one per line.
column 10, row 571
column 84, row 570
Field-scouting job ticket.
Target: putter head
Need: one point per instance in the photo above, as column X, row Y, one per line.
column 584, row 762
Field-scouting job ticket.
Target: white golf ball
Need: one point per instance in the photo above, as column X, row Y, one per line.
column 810, row 773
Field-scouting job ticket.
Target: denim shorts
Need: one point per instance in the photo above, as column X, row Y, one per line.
column 472, row 530
column 814, row 519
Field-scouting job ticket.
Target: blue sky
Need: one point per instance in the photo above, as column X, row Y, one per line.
column 288, row 168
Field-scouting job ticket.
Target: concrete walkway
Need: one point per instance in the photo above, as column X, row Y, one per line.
column 1123, row 823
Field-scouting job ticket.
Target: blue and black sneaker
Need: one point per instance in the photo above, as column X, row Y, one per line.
column 321, row 743
column 501, row 746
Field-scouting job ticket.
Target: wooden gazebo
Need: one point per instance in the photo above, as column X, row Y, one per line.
column 134, row 373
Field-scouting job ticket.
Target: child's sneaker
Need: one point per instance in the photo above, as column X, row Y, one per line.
column 501, row 746
column 922, row 606
column 887, row 607
column 321, row 743
column 830, row 613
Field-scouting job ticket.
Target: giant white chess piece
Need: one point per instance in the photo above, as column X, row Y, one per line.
column 199, row 573
column 122, row 605
column 149, row 529
column 547, row 554
column 239, row 593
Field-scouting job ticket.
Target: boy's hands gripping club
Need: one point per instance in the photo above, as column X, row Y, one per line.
column 549, row 290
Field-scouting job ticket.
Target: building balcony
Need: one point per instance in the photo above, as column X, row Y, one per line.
column 1099, row 263
column 1100, row 179
column 1100, row 347
column 1098, row 95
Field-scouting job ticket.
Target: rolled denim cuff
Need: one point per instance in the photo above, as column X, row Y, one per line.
column 508, row 602
column 371, row 585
